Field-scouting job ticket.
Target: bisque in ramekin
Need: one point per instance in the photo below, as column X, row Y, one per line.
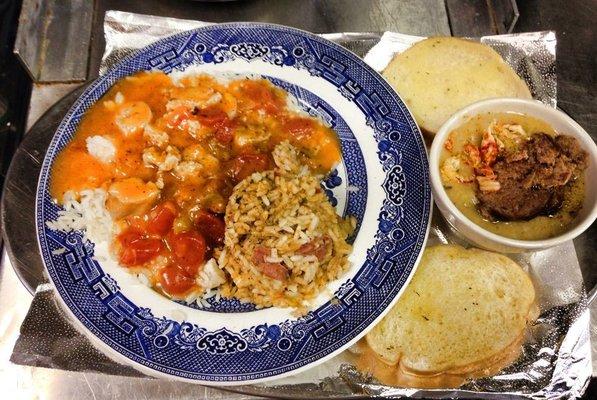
column 481, row 237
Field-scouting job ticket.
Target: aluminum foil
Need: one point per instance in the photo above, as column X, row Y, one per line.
column 556, row 360
column 532, row 55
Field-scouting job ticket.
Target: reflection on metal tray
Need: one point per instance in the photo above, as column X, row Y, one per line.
column 18, row 204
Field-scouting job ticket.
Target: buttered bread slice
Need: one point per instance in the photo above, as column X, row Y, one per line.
column 463, row 315
column 438, row 76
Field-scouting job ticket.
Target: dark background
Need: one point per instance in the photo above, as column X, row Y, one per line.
column 575, row 24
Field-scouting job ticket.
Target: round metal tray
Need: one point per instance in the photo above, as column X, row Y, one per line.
column 18, row 198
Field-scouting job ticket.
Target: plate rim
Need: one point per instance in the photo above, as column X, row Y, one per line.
column 97, row 341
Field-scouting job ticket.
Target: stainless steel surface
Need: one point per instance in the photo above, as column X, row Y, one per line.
column 44, row 96
column 480, row 18
column 592, row 296
column 415, row 17
column 513, row 17
column 18, row 200
column 53, row 39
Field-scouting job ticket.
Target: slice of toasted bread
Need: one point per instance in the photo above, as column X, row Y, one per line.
column 463, row 315
column 438, row 76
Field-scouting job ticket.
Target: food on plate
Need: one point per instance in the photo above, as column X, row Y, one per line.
column 513, row 175
column 281, row 223
column 438, row 76
column 202, row 182
column 464, row 315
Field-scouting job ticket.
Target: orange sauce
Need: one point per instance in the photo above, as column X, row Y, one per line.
column 77, row 170
column 185, row 144
column 74, row 169
column 260, row 110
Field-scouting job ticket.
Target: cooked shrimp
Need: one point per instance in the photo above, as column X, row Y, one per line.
column 485, row 171
column 489, row 148
column 474, row 157
column 512, row 134
column 164, row 160
column 155, row 136
column 229, row 105
column 131, row 196
column 191, row 97
column 198, row 153
column 187, row 170
column 182, row 117
column 194, row 128
column 250, row 137
column 451, row 171
column 133, row 117
column 449, row 144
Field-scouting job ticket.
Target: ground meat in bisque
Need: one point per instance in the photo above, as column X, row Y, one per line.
column 532, row 179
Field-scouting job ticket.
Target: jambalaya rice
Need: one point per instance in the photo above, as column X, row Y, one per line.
column 284, row 241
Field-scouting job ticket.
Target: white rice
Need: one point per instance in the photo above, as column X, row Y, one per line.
column 119, row 98
column 144, row 279
column 294, row 104
column 210, row 276
column 101, row 148
column 87, row 214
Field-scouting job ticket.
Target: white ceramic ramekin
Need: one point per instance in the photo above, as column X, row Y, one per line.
column 563, row 124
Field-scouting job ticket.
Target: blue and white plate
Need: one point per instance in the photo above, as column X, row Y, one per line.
column 383, row 181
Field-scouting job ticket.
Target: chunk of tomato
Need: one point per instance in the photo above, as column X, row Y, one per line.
column 263, row 96
column 217, row 119
column 211, row 226
column 136, row 249
column 188, row 250
column 175, row 117
column 129, row 235
column 225, row 131
column 175, row 280
column 300, row 128
column 211, row 116
column 245, row 164
column 161, row 218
